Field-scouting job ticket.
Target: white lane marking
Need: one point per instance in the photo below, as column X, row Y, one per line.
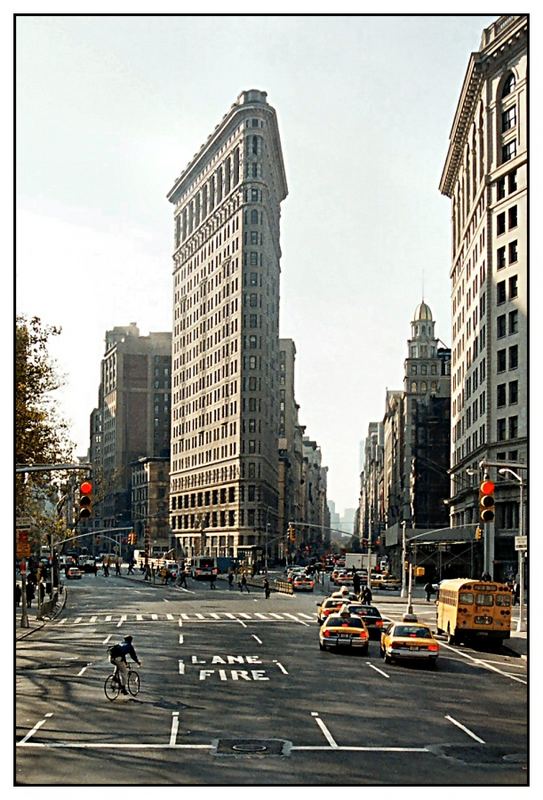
column 35, row 728
column 139, row 617
column 307, row 616
column 108, row 618
column 108, row 637
column 169, row 616
column 483, row 664
column 62, row 621
column 165, row 599
column 181, row 638
column 149, row 746
column 256, row 637
column 180, row 622
column 77, row 619
column 466, row 730
column 297, row 620
column 358, row 749
column 181, row 667
column 175, row 726
column 93, row 619
column 281, row 667
column 82, row 671
column 327, row 735
column 377, row 669
column 154, row 616
column 241, row 622
column 122, row 619
column 190, row 591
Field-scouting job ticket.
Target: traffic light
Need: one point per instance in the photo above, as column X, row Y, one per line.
column 291, row 533
column 478, row 533
column 85, row 500
column 486, row 501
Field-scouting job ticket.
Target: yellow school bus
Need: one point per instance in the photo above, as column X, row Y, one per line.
column 467, row 608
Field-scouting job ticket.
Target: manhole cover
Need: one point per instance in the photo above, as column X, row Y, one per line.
column 483, row 755
column 251, row 747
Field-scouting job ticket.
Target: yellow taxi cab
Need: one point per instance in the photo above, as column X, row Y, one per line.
column 344, row 630
column 409, row 640
column 328, row 606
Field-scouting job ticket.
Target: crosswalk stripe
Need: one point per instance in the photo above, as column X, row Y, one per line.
column 169, row 616
column 139, row 617
column 216, row 616
column 108, row 618
column 93, row 619
column 277, row 616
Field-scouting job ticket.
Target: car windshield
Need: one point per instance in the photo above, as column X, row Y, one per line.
column 366, row 611
column 332, row 604
column 338, row 622
column 412, row 630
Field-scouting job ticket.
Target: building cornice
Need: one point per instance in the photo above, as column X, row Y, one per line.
column 509, row 32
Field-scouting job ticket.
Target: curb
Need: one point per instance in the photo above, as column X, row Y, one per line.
column 57, row 610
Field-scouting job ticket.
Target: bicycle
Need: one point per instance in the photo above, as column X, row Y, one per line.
column 112, row 684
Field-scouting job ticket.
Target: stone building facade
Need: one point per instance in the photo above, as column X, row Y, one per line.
column 150, row 486
column 225, row 356
column 132, row 419
column 486, row 178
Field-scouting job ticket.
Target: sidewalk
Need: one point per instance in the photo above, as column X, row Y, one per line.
column 34, row 624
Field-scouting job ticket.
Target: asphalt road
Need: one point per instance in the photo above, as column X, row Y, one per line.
column 235, row 691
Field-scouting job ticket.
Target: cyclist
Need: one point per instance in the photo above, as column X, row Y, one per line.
column 117, row 656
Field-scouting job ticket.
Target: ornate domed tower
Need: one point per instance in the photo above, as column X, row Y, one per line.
column 426, row 423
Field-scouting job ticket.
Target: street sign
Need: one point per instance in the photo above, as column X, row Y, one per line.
column 521, row 542
column 23, row 545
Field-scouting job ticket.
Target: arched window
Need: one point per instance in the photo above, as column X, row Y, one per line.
column 509, row 85
column 413, row 386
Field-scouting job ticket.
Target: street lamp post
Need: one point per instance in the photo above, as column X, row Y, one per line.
column 404, row 550
column 521, row 624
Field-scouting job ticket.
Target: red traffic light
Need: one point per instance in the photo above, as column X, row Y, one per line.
column 487, row 487
column 86, row 487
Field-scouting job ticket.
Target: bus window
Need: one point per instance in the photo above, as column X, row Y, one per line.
column 503, row 600
column 465, row 597
column 484, row 600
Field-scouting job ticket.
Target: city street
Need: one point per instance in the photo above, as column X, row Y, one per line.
column 234, row 690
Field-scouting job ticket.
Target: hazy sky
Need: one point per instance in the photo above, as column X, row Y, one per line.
column 111, row 109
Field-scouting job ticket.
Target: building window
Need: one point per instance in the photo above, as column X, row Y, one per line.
column 500, row 292
column 512, row 181
column 500, row 224
column 501, row 326
column 513, row 217
column 513, row 322
column 513, row 357
column 513, row 393
column 500, row 430
column 509, row 118
column 500, row 258
column 509, row 85
column 501, row 395
column 509, row 150
column 501, row 364
column 513, row 252
column 413, row 369
column 513, row 286
column 513, row 427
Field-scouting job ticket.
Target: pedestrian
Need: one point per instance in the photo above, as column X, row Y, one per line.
column 41, row 592
column 230, row 579
column 117, row 566
column 147, row 576
column 266, row 588
column 95, row 569
column 428, row 589
column 153, row 574
column 18, row 594
column 106, row 568
column 212, row 580
column 29, row 593
column 183, row 578
column 486, row 576
column 367, row 596
column 516, row 593
column 130, row 566
column 164, row 575
column 243, row 584
column 356, row 582
column 142, row 567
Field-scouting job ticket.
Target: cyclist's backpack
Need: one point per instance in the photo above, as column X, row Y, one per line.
column 115, row 651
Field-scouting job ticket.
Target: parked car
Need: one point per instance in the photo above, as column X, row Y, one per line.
column 390, row 582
